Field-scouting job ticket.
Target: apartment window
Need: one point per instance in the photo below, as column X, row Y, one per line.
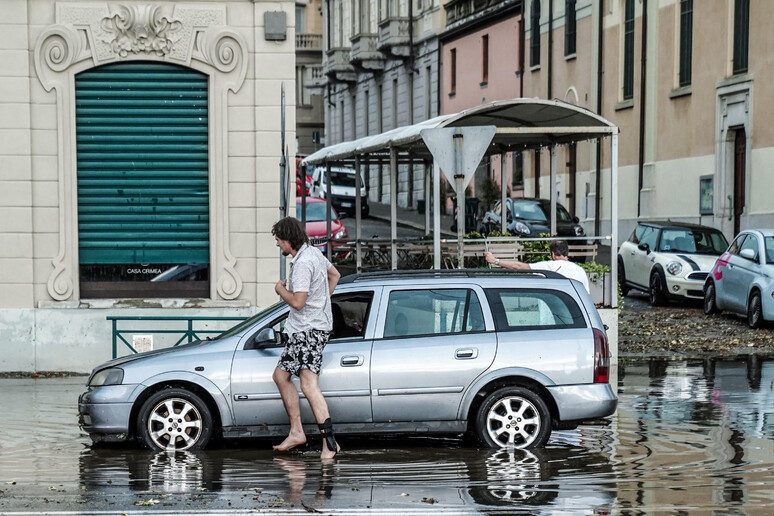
column 379, row 109
column 534, row 45
column 300, row 19
column 303, row 96
column 628, row 75
column 517, row 171
column 453, row 71
column 569, row 27
column 394, row 103
column 741, row 34
column 353, row 119
column 410, row 88
column 484, row 59
column 366, row 111
column 341, row 121
column 686, row 41
column 428, row 91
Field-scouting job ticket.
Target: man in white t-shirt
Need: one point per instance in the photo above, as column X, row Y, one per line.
column 559, row 263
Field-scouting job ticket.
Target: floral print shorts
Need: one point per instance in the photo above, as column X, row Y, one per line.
column 304, row 351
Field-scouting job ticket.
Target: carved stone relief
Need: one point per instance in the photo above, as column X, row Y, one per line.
column 92, row 34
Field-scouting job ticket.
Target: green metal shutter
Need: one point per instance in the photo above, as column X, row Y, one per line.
column 143, row 193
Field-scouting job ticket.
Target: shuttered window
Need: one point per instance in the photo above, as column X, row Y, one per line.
column 143, row 194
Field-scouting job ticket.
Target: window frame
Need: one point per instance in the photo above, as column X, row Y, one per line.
column 469, row 289
column 500, row 316
column 741, row 37
column 534, row 42
column 627, row 87
column 685, row 65
column 484, row 59
column 570, row 28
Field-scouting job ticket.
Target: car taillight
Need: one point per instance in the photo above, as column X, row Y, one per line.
column 601, row 357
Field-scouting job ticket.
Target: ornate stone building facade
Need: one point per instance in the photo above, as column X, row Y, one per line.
column 141, row 144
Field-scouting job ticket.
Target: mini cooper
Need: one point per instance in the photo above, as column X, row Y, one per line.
column 669, row 260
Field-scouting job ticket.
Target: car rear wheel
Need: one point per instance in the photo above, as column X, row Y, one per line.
column 513, row 417
column 657, row 289
column 755, row 311
column 710, row 304
column 173, row 420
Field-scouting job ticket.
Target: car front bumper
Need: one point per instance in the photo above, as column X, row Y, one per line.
column 683, row 287
column 103, row 412
column 584, row 401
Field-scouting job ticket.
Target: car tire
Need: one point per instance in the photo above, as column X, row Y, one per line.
column 710, row 300
column 657, row 291
column 188, row 428
column 622, row 278
column 755, row 311
column 513, row 417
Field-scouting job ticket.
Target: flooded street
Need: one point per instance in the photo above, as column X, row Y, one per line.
column 692, row 435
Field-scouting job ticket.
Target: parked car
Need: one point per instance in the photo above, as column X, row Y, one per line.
column 669, row 260
column 306, row 181
column 507, row 356
column 530, row 217
column 742, row 278
column 342, row 189
column 316, row 222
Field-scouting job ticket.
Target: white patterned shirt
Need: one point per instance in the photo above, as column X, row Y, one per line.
column 309, row 273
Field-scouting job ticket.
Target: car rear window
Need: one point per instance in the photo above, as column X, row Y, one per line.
column 534, row 309
column 432, row 312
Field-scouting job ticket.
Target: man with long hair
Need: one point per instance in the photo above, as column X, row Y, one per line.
column 311, row 281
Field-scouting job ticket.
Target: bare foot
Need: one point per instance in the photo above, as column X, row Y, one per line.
column 327, row 454
column 290, row 442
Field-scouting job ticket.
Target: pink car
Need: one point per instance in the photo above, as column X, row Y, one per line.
column 316, row 222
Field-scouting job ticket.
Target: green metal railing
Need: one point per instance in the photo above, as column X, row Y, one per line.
column 190, row 333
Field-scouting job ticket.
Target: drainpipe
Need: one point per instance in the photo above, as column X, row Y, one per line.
column 411, row 35
column 598, row 175
column 521, row 51
column 549, row 94
column 643, row 72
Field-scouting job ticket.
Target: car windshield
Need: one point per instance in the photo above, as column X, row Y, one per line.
column 239, row 328
column 769, row 243
column 315, row 212
column 538, row 211
column 693, row 241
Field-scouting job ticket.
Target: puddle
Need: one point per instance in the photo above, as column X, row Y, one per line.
column 690, row 435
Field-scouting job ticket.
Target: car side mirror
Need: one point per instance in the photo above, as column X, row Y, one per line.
column 576, row 220
column 749, row 254
column 644, row 247
column 265, row 338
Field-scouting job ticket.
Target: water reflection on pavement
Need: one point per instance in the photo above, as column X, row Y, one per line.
column 692, row 435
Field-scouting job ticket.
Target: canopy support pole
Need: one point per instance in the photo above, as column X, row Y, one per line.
column 436, row 215
column 428, row 196
column 503, row 194
column 358, row 206
column 553, row 191
column 393, row 207
column 613, row 221
column 328, row 203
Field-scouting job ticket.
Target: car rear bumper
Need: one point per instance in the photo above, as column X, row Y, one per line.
column 584, row 401
column 104, row 411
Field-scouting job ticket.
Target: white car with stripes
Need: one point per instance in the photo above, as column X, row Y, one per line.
column 669, row 260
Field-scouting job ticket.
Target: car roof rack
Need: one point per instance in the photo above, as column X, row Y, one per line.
column 447, row 273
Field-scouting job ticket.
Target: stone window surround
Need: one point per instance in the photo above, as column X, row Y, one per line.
column 87, row 35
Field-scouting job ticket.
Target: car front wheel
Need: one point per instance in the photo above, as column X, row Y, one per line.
column 657, row 289
column 710, row 303
column 755, row 311
column 513, row 417
column 173, row 420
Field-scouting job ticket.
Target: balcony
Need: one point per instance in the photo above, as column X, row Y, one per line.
column 309, row 42
column 394, row 36
column 317, row 78
column 337, row 65
column 364, row 53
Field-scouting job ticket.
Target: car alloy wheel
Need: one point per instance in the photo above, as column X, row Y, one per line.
column 710, row 304
column 174, row 420
column 755, row 311
column 657, row 294
column 513, row 417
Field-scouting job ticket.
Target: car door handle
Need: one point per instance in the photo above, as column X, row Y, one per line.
column 352, row 361
column 466, row 353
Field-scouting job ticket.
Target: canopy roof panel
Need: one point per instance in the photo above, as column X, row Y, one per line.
column 521, row 123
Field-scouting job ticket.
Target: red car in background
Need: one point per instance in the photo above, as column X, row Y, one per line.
column 307, row 179
column 316, row 222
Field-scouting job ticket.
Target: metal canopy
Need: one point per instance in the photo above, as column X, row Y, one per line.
column 521, row 124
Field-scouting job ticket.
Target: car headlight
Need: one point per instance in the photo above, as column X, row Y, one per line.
column 674, row 268
column 341, row 234
column 522, row 228
column 578, row 230
column 110, row 376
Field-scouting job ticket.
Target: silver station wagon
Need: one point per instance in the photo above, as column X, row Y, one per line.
column 505, row 356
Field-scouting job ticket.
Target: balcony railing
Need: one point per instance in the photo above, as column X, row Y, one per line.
column 394, row 36
column 309, row 42
column 364, row 52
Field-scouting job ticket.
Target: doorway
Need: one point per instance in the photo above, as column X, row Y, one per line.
column 740, row 158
